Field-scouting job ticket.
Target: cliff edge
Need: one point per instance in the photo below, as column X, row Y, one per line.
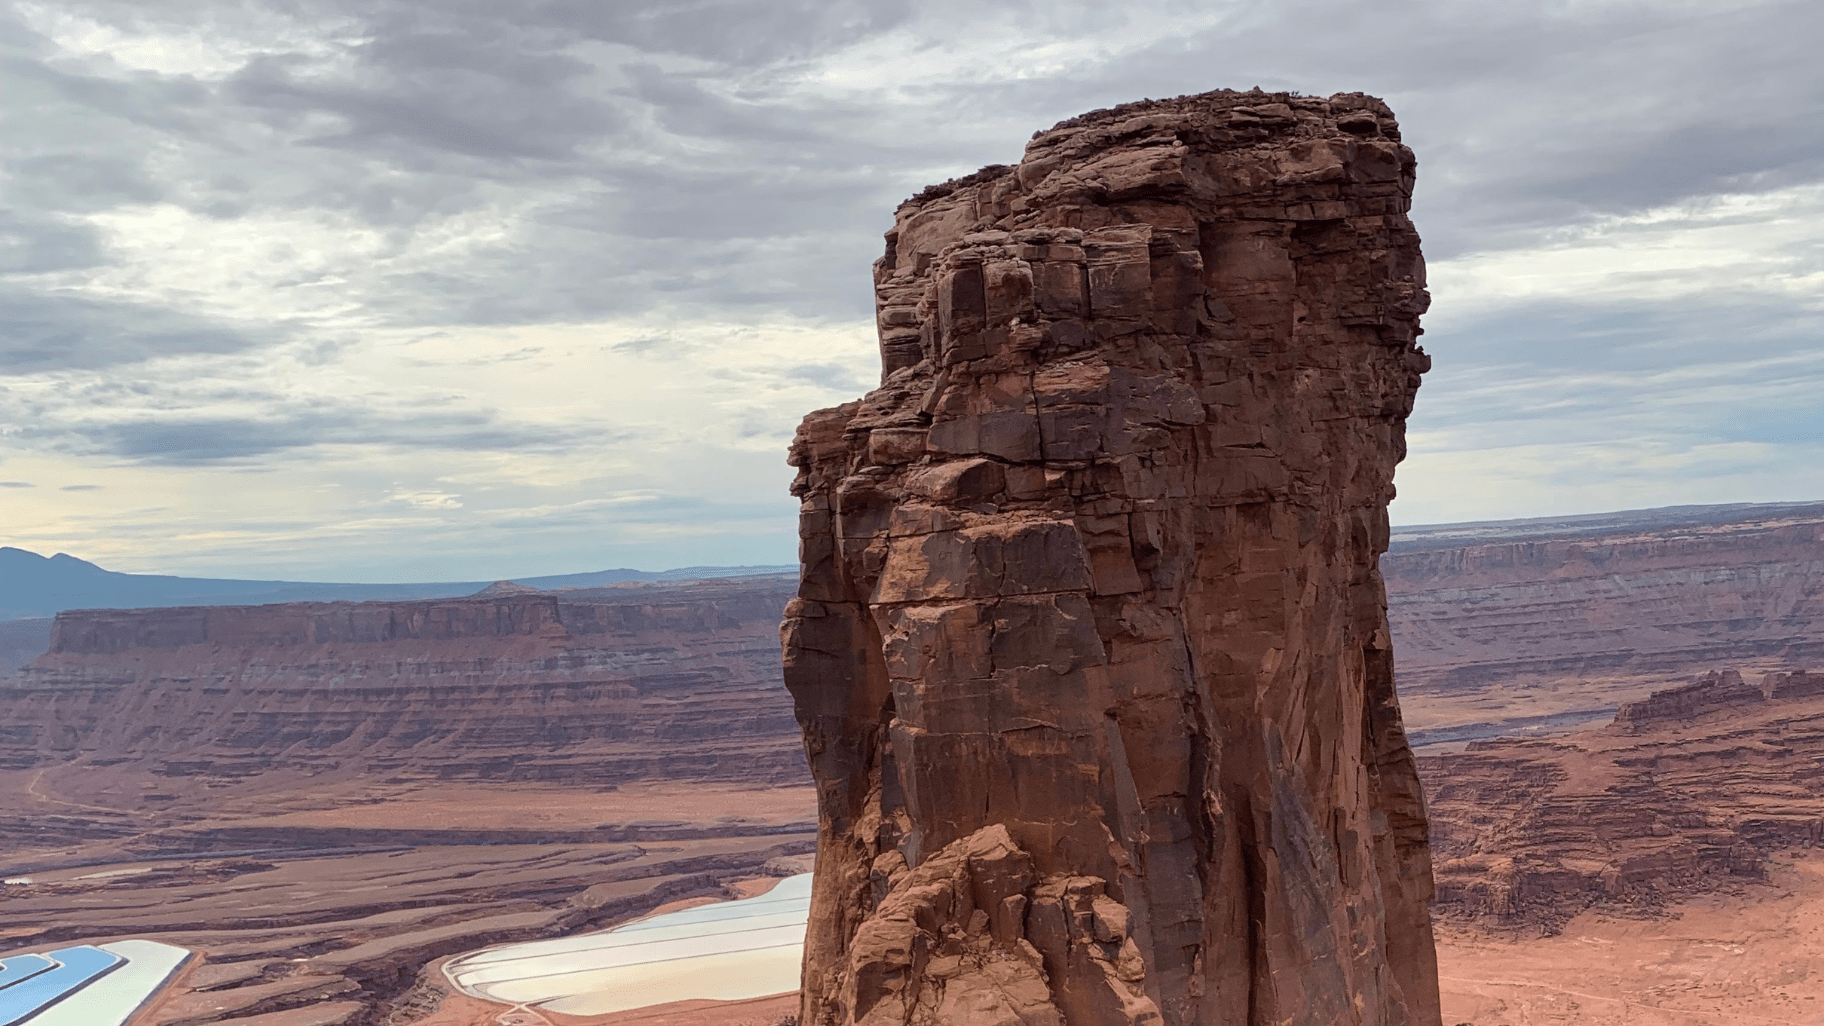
column 587, row 687
column 1090, row 651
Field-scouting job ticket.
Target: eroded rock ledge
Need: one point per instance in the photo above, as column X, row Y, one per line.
column 1692, row 789
column 1091, row 652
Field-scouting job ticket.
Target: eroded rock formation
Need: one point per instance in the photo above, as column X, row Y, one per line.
column 1688, row 789
column 1609, row 607
column 603, row 686
column 1091, row 652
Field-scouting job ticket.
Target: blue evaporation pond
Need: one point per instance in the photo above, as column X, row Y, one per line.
column 114, row 998
column 76, row 967
column 22, row 967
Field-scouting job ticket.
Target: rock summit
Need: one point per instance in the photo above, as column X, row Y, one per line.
column 1090, row 651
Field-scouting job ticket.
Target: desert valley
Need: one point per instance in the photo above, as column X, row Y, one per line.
column 1613, row 718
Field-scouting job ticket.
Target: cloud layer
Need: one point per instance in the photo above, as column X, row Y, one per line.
column 457, row 290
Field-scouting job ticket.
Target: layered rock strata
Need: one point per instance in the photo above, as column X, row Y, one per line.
column 1691, row 788
column 636, row 682
column 1608, row 606
column 1091, row 653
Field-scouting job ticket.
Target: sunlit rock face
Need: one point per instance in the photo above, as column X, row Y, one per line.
column 1091, row 652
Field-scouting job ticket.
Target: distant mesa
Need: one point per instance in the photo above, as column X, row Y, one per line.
column 585, row 686
column 501, row 589
column 1552, row 616
column 1719, row 691
column 1685, row 521
column 1690, row 789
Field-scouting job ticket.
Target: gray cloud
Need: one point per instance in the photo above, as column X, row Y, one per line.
column 1565, row 374
column 416, row 92
column 409, row 166
column 50, row 331
column 80, row 182
column 205, row 440
column 38, row 243
column 833, row 376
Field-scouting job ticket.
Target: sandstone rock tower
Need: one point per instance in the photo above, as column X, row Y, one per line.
column 1091, row 650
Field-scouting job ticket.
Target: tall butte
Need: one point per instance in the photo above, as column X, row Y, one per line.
column 1091, row 650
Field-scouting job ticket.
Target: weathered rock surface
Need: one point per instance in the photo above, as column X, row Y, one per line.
column 1600, row 610
column 1690, row 788
column 1091, row 652
column 673, row 681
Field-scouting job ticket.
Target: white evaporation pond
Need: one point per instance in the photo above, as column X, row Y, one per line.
column 112, row 999
column 723, row 952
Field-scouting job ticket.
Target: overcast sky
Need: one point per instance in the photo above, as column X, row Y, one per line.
column 467, row 289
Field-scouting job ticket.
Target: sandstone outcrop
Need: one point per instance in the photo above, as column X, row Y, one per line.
column 1091, row 653
column 596, row 687
column 1689, row 789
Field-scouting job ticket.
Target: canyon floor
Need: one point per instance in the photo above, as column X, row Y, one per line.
column 1747, row 954
column 318, row 902
column 346, row 914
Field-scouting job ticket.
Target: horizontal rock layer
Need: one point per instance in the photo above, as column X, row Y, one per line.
column 1689, row 788
column 1648, row 597
column 634, row 682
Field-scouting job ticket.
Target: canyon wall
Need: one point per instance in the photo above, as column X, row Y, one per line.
column 1491, row 622
column 1091, row 653
column 586, row 687
column 1646, row 597
column 1691, row 788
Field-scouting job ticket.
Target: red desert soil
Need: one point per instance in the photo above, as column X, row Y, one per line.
column 1689, row 790
column 1750, row 955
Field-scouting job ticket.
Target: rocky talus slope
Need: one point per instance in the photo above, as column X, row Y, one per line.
column 1685, row 790
column 1091, row 653
column 673, row 681
column 1590, row 612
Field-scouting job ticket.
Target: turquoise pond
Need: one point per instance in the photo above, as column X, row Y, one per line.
column 84, row 985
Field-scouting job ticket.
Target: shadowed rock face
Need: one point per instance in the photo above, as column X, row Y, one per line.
column 1091, row 652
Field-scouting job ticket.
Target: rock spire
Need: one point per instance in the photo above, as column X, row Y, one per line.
column 1091, row 651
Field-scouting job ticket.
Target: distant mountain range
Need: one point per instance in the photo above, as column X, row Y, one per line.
column 36, row 586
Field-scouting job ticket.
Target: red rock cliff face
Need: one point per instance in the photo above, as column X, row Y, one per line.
column 1091, row 652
